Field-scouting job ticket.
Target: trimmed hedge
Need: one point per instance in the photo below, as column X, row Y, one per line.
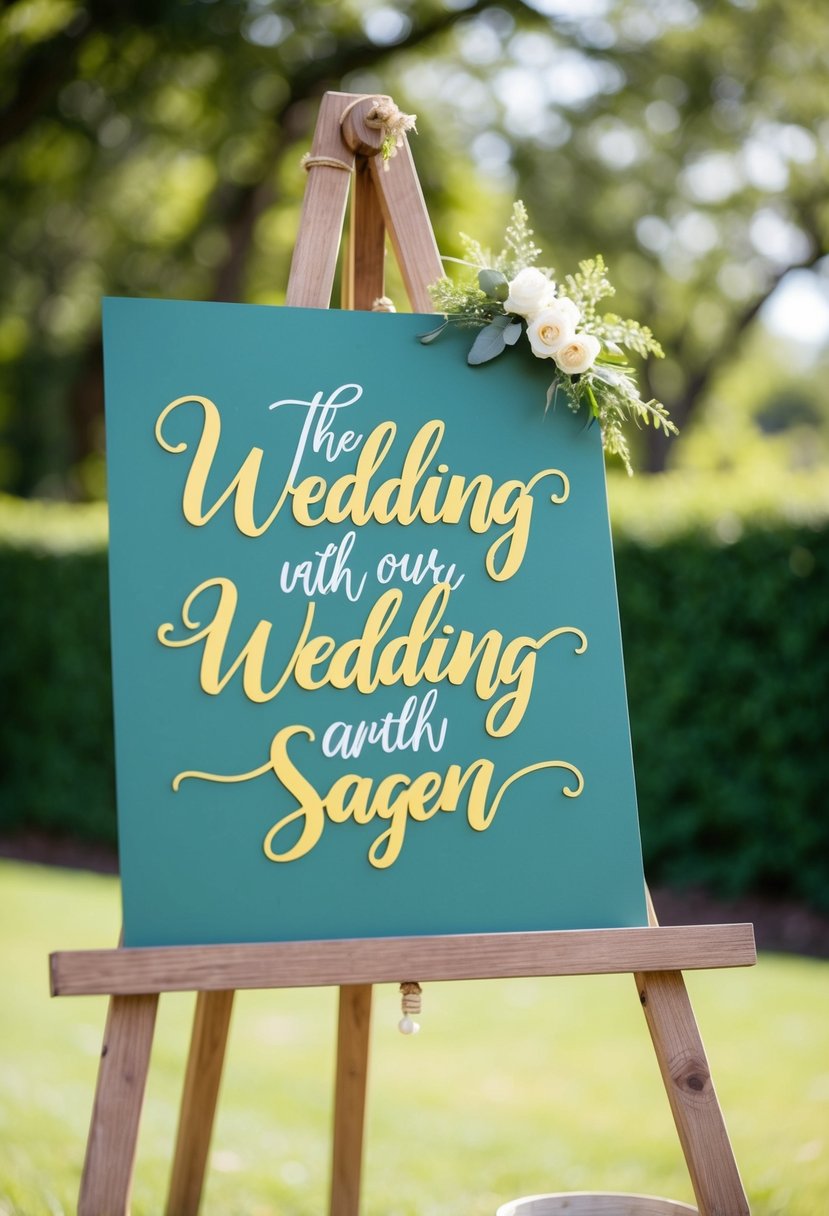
column 725, row 614
column 56, row 748
column 728, row 670
column 724, row 602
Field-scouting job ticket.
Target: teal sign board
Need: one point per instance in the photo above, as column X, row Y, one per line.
column 367, row 663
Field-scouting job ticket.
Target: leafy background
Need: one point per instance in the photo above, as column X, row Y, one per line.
column 152, row 148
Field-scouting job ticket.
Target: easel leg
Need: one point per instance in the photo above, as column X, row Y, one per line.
column 409, row 228
column 350, row 1098
column 323, row 211
column 696, row 1110
column 366, row 260
column 122, row 1075
column 198, row 1102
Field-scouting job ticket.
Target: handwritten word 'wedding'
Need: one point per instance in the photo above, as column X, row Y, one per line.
column 368, row 661
column 394, row 647
column 357, row 497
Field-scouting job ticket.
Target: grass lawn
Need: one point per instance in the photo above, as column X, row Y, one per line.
column 512, row 1087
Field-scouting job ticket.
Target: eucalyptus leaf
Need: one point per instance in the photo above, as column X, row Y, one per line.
column 488, row 345
column 493, row 284
column 501, row 320
column 513, row 332
column 433, row 333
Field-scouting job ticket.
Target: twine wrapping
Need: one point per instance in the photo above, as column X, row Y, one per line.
column 309, row 161
column 384, row 115
column 410, row 997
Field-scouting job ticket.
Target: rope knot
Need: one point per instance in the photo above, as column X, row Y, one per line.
column 385, row 116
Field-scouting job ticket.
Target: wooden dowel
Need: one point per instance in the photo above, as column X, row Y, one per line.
column 122, row 1075
column 354, row 1024
column 200, row 1095
column 385, row 959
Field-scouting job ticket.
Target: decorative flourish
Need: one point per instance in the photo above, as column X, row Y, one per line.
column 562, row 322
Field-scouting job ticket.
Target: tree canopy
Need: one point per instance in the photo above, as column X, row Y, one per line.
column 152, row 147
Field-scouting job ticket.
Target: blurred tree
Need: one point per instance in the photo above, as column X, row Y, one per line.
column 143, row 142
column 779, row 422
column 686, row 141
column 151, row 147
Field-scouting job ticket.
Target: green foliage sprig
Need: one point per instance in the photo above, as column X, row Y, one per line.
column 509, row 296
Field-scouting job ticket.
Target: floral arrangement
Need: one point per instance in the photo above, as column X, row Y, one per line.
column 393, row 123
column 510, row 296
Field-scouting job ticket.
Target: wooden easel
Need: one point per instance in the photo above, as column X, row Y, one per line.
column 345, row 146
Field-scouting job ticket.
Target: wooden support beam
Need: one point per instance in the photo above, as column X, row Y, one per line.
column 106, row 1184
column 363, row 283
column 367, row 241
column 687, row 1077
column 211, row 1022
column 353, row 1028
column 323, row 210
column 409, row 227
column 385, row 959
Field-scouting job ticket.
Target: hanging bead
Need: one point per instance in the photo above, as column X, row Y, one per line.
column 410, row 1003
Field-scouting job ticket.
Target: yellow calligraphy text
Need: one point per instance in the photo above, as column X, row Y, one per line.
column 361, row 496
column 429, row 651
column 395, row 799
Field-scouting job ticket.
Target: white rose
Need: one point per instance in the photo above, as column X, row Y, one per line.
column 553, row 328
column 578, row 354
column 529, row 292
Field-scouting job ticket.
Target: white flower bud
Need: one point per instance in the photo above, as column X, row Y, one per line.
column 553, row 328
column 529, row 292
column 578, row 354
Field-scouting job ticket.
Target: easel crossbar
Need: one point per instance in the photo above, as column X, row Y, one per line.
column 132, row 971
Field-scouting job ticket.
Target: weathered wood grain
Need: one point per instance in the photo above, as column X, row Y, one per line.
column 385, row 960
column 200, row 1096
